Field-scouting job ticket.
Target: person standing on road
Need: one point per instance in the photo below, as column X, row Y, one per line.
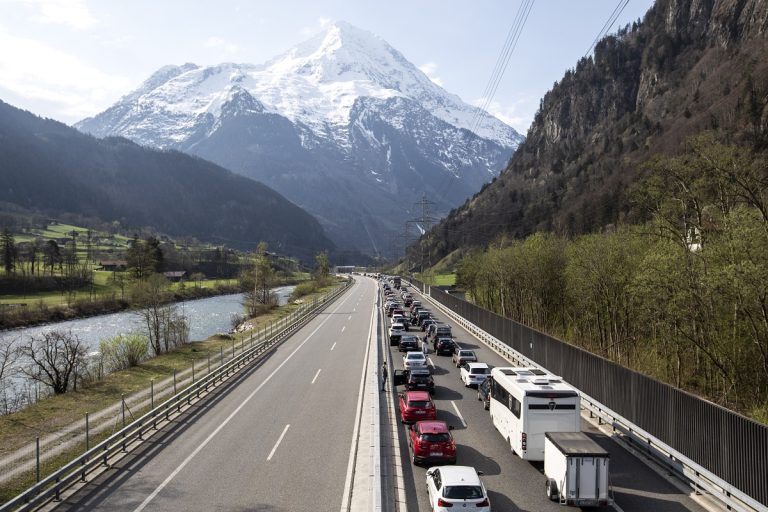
column 383, row 375
column 425, row 346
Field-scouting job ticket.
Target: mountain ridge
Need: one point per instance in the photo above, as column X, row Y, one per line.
column 52, row 168
column 337, row 90
column 689, row 66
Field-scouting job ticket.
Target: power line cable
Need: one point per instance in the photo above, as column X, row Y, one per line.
column 608, row 24
column 499, row 61
column 525, row 12
column 513, row 36
column 502, row 61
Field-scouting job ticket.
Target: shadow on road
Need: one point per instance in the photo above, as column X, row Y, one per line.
column 444, row 393
column 95, row 492
column 450, row 418
column 501, row 502
column 468, row 456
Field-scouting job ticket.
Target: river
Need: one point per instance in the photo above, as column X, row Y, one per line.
column 205, row 316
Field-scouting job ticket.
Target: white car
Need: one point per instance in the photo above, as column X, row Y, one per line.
column 449, row 486
column 414, row 359
column 474, row 374
column 398, row 319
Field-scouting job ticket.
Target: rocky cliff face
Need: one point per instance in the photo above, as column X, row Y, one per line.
column 689, row 66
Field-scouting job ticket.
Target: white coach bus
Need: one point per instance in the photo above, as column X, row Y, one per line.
column 528, row 402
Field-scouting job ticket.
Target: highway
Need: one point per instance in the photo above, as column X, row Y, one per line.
column 281, row 435
column 277, row 439
column 514, row 484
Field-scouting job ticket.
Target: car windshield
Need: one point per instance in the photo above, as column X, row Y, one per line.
column 436, row 438
column 466, row 353
column 420, row 379
column 463, row 492
column 415, row 355
column 420, row 403
column 479, row 371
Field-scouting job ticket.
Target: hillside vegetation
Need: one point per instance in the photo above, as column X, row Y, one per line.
column 633, row 220
column 683, row 297
column 690, row 66
column 52, row 169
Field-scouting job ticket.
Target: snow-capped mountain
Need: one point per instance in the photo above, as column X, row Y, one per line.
column 341, row 124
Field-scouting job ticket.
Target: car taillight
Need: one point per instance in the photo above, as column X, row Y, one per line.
column 524, row 439
column 484, row 503
column 442, row 503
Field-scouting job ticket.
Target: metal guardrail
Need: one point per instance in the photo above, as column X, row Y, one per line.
column 699, row 478
column 77, row 470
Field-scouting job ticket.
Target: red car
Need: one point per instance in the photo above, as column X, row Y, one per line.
column 431, row 441
column 416, row 406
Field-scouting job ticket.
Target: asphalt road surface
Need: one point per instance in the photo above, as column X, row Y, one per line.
column 514, row 484
column 278, row 439
column 279, row 436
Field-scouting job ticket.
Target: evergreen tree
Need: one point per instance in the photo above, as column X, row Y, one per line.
column 154, row 254
column 10, row 252
column 51, row 255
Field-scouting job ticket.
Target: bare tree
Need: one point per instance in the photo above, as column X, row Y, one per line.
column 166, row 328
column 8, row 356
column 258, row 283
column 120, row 279
column 54, row 359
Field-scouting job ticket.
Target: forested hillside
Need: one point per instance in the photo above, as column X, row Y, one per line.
column 689, row 66
column 49, row 168
column 683, row 297
column 633, row 221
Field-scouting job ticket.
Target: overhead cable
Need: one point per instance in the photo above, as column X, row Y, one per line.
column 608, row 24
column 513, row 36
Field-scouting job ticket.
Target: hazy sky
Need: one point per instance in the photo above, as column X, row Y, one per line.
column 69, row 59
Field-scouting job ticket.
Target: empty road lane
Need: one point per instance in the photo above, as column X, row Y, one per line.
column 278, row 440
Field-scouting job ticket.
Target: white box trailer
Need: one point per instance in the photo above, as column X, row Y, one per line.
column 577, row 470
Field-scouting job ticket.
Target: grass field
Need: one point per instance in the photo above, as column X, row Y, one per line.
column 438, row 279
column 105, row 246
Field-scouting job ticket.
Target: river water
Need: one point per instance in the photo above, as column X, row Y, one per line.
column 205, row 316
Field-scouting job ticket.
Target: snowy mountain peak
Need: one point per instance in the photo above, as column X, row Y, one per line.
column 315, row 83
column 342, row 124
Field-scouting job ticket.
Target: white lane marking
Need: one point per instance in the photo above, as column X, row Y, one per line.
column 342, row 329
column 279, row 440
column 429, row 359
column 459, row 414
column 354, row 310
column 358, row 415
column 207, row 440
column 349, row 317
column 333, row 346
column 318, row 373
